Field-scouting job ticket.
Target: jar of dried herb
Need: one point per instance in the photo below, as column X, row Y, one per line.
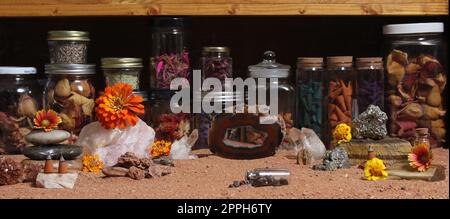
column 124, row 70
column 68, row 47
column 216, row 63
column 71, row 93
column 339, row 85
column 416, row 62
column 310, row 93
column 20, row 98
column 370, row 78
column 170, row 58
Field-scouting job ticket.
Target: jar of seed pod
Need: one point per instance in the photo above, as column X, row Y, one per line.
column 68, row 47
column 216, row 63
column 310, row 93
column 71, row 93
column 124, row 70
column 370, row 78
column 416, row 62
column 20, row 98
column 339, row 85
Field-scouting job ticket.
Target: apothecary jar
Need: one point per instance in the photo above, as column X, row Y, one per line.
column 68, row 47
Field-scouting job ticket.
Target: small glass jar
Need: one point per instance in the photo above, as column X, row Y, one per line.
column 422, row 138
column 71, row 93
column 416, row 66
column 170, row 58
column 68, row 47
column 124, row 70
column 217, row 63
column 168, row 126
column 370, row 79
column 340, row 101
column 310, row 93
column 146, row 117
column 20, row 99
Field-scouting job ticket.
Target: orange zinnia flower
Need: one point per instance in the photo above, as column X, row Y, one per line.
column 47, row 120
column 118, row 106
column 420, row 157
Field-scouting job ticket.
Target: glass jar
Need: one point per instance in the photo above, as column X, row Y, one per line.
column 310, row 93
column 422, row 138
column 370, row 79
column 146, row 102
column 416, row 63
column 217, row 63
column 170, row 59
column 340, row 84
column 124, row 70
column 168, row 126
column 68, row 47
column 20, row 99
column 71, row 93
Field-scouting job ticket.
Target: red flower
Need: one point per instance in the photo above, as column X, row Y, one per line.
column 47, row 120
column 420, row 157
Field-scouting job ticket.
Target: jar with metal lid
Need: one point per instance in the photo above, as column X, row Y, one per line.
column 340, row 99
column 217, row 63
column 370, row 80
column 20, row 99
column 170, row 58
column 71, row 93
column 416, row 76
column 124, row 70
column 310, row 93
column 68, row 47
column 146, row 102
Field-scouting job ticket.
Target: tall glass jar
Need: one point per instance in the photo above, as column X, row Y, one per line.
column 71, row 93
column 124, row 70
column 68, row 47
column 422, row 138
column 310, row 94
column 20, row 98
column 340, row 84
column 370, row 78
column 217, row 63
column 416, row 63
column 146, row 117
column 170, row 58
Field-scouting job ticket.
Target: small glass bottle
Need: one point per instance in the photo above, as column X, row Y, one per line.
column 267, row 177
column 310, row 93
column 68, row 47
column 124, row 70
column 422, row 138
column 370, row 90
column 216, row 63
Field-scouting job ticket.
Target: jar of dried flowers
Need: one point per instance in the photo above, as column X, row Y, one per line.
column 68, row 47
column 70, row 92
column 124, row 70
column 216, row 63
column 370, row 77
column 20, row 97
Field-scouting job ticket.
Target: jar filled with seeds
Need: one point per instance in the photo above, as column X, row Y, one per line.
column 124, row 70
column 370, row 78
column 71, row 93
column 68, row 47
column 310, row 93
column 217, row 63
column 20, row 99
column 416, row 75
column 170, row 58
column 339, row 85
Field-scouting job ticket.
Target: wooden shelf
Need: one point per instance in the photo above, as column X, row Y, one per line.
column 31, row 8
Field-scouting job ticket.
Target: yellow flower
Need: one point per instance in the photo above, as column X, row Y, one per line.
column 92, row 163
column 160, row 148
column 342, row 133
column 375, row 169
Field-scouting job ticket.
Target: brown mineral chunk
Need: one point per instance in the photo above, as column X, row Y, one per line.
column 128, row 160
column 145, row 163
column 136, row 173
column 115, row 171
column 30, row 172
column 10, row 171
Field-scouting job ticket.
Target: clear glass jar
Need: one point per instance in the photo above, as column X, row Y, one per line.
column 124, row 70
column 217, row 63
column 68, row 47
column 146, row 117
column 370, row 80
column 339, row 85
column 310, row 94
column 20, row 99
column 168, row 126
column 170, row 58
column 422, row 138
column 71, row 93
column 416, row 63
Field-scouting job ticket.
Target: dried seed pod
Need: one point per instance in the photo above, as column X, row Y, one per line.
column 395, row 100
column 81, row 87
column 434, row 98
column 411, row 110
column 412, row 68
column 62, row 88
column 27, row 106
column 432, row 113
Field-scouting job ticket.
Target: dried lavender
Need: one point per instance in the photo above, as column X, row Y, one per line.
column 370, row 93
column 169, row 67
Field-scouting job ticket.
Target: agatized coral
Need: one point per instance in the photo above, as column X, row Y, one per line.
column 12, row 172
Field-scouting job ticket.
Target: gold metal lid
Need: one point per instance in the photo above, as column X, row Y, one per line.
column 114, row 62
column 68, row 35
column 70, row 69
column 216, row 49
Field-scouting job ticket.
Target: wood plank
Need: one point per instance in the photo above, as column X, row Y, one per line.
column 18, row 8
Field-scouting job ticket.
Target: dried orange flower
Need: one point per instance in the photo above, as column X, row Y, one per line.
column 118, row 106
column 47, row 120
column 160, row 148
column 92, row 163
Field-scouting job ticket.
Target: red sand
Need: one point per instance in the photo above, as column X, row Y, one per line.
column 209, row 177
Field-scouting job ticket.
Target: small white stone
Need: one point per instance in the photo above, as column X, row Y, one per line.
column 39, row 137
column 56, row 180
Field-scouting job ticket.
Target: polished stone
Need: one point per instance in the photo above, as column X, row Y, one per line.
column 69, row 152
